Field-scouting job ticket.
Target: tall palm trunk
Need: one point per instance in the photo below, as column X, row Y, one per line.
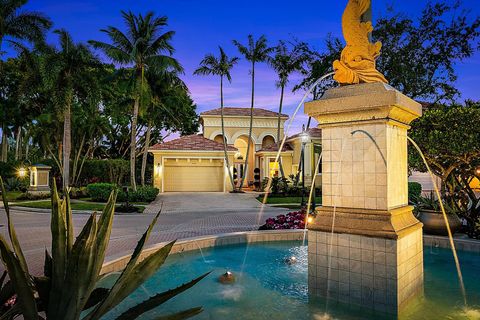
column 67, row 143
column 145, row 151
column 18, row 142
column 4, row 144
column 227, row 161
column 133, row 143
column 280, row 108
column 245, row 171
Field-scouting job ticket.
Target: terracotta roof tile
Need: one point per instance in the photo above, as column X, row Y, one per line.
column 194, row 142
column 229, row 111
column 274, row 147
column 312, row 132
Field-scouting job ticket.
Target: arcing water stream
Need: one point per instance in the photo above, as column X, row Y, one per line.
column 450, row 236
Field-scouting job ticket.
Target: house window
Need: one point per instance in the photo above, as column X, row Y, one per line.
column 268, row 141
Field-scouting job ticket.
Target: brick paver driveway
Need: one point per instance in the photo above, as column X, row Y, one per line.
column 184, row 215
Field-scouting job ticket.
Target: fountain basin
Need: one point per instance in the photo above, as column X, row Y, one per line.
column 269, row 288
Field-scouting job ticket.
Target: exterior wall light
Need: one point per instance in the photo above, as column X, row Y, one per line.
column 159, row 169
column 22, row 172
column 305, row 137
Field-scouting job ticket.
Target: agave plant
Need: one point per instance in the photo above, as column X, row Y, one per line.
column 69, row 288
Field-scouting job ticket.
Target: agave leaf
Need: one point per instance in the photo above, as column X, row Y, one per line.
column 20, row 280
column 43, row 285
column 127, row 283
column 7, row 292
column 12, row 312
column 109, row 301
column 2, row 279
column 69, row 223
column 182, row 315
column 59, row 248
column 157, row 300
column 80, row 268
column 11, row 231
column 105, row 229
column 96, row 296
column 48, row 267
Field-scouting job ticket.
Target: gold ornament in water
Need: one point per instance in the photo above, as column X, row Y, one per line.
column 357, row 63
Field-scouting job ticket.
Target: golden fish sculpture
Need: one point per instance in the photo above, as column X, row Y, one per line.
column 357, row 63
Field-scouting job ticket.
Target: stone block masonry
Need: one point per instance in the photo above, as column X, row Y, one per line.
column 365, row 245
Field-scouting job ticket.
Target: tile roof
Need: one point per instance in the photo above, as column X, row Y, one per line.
column 274, row 147
column 195, row 142
column 229, row 111
column 312, row 132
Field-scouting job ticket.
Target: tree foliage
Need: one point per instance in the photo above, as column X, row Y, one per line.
column 449, row 136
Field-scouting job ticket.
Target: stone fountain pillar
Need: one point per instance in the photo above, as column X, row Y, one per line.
column 374, row 256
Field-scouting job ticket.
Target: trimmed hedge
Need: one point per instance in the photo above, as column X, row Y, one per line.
column 101, row 191
column 414, row 191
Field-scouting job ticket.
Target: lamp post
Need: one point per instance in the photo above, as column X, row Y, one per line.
column 305, row 137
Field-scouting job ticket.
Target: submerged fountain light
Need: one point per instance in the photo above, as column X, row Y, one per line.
column 227, row 278
column 291, row 260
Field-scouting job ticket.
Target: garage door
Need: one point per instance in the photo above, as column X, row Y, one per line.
column 193, row 176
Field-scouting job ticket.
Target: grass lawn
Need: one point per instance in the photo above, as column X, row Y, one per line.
column 287, row 200
column 13, row 195
column 85, row 206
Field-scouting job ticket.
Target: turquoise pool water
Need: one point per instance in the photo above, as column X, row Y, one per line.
column 268, row 288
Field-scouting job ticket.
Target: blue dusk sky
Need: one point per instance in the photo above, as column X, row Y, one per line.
column 202, row 25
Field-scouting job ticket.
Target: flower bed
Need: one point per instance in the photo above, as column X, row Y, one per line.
column 292, row 220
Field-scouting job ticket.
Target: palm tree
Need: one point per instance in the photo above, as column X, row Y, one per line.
column 254, row 51
column 141, row 47
column 284, row 63
column 165, row 86
column 67, row 72
column 221, row 66
column 16, row 25
column 21, row 25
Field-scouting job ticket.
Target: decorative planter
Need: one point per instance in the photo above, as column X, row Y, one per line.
column 433, row 222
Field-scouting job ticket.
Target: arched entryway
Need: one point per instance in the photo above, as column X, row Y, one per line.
column 241, row 143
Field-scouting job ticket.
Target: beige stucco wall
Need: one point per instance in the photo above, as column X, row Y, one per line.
column 238, row 126
column 160, row 156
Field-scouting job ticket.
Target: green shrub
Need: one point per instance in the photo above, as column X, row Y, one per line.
column 100, row 191
column 144, row 194
column 34, row 196
column 414, row 191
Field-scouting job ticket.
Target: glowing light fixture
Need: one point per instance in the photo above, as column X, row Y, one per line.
column 310, row 220
column 22, row 172
column 305, row 137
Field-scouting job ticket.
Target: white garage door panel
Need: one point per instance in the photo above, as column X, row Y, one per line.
column 193, row 179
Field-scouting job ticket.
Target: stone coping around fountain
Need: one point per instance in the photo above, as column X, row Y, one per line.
column 469, row 245
column 118, row 263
